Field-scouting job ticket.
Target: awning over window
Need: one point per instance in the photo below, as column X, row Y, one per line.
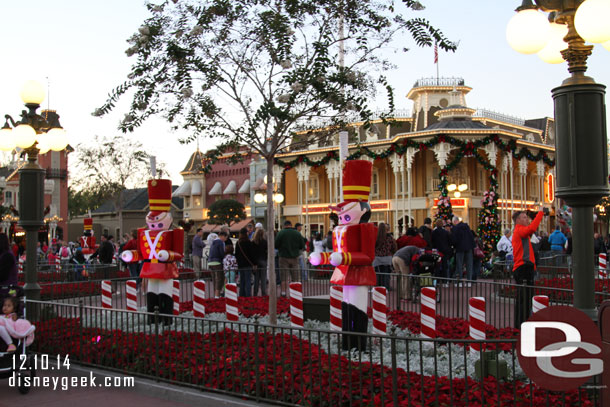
column 237, row 226
column 245, row 187
column 231, row 188
column 210, row 228
column 183, row 190
column 216, row 189
column 196, row 187
column 259, row 183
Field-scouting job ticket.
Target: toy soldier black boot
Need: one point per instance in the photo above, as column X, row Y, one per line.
column 166, row 308
column 152, row 302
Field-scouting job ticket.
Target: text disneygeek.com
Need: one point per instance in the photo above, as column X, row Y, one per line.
column 65, row 383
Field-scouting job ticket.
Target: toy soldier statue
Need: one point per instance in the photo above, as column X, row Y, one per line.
column 87, row 240
column 353, row 251
column 159, row 248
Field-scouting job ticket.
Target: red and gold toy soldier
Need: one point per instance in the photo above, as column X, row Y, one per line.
column 353, row 250
column 87, row 240
column 158, row 248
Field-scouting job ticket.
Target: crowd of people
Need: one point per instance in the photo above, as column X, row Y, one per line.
column 239, row 263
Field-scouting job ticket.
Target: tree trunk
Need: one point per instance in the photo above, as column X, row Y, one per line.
column 120, row 213
column 271, row 244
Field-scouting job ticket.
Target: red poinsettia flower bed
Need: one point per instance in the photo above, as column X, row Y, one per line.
column 548, row 287
column 68, row 276
column 448, row 328
column 452, row 328
column 248, row 306
column 279, row 367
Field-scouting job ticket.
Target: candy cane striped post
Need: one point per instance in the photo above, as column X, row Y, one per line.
column 477, row 321
column 231, row 302
column 20, row 267
column 106, row 294
column 428, row 312
column 176, row 297
column 336, row 317
column 539, row 302
column 602, row 262
column 380, row 311
column 198, row 298
column 296, row 304
column 57, row 264
column 132, row 295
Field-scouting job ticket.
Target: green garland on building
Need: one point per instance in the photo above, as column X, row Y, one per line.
column 489, row 224
column 400, row 147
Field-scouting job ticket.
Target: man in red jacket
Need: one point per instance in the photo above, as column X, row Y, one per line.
column 524, row 267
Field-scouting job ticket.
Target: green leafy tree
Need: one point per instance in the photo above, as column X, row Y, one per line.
column 109, row 166
column 251, row 72
column 82, row 200
column 226, row 212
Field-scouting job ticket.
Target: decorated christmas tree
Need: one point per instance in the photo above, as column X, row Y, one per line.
column 445, row 211
column 489, row 229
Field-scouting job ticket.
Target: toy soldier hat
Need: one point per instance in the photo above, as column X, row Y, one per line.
column 357, row 176
column 88, row 223
column 159, row 195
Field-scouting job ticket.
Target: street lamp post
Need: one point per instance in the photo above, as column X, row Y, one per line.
column 33, row 134
column 580, row 122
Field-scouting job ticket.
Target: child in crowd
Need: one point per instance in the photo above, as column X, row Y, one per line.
column 13, row 327
column 229, row 264
column 8, row 313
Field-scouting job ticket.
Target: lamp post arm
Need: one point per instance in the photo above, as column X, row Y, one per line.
column 10, row 119
column 557, row 5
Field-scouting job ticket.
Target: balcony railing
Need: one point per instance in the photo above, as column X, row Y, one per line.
column 501, row 117
column 439, row 82
column 56, row 173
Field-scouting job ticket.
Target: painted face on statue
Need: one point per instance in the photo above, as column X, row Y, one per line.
column 159, row 220
column 351, row 214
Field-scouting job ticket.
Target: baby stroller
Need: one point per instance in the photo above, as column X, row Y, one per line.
column 19, row 363
column 425, row 264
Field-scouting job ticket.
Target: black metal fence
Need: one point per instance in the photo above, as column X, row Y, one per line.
column 291, row 366
column 452, row 295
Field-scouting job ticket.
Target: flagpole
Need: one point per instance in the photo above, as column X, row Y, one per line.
column 436, row 62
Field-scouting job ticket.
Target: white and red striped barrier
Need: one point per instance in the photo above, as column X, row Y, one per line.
column 296, row 304
column 336, row 298
column 176, row 296
column 428, row 312
column 539, row 302
column 602, row 263
column 106, row 294
column 231, row 302
column 380, row 310
column 198, row 299
column 132, row 295
column 20, row 266
column 57, row 264
column 476, row 313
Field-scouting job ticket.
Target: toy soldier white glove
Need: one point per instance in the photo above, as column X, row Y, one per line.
column 127, row 256
column 163, row 255
column 336, row 259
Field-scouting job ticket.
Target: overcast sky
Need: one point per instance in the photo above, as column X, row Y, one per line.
column 80, row 47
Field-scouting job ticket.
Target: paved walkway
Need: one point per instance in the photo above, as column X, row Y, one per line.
column 145, row 393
